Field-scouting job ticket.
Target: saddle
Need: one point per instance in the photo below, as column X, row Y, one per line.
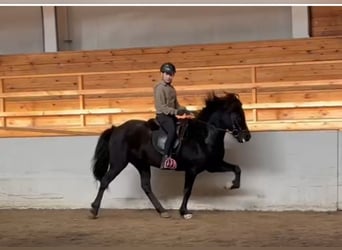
column 159, row 136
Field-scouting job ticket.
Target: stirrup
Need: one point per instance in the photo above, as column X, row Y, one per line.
column 168, row 163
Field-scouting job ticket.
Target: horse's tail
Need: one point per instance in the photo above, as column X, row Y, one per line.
column 101, row 156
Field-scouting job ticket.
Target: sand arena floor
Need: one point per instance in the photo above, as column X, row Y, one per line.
column 144, row 228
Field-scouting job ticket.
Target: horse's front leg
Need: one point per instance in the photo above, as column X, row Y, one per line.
column 237, row 171
column 190, row 177
column 145, row 176
column 228, row 167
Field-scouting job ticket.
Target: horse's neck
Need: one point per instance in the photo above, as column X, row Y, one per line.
column 214, row 137
column 215, row 134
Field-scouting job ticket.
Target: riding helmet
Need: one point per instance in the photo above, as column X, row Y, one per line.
column 168, row 68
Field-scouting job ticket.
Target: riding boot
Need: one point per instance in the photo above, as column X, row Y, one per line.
column 163, row 161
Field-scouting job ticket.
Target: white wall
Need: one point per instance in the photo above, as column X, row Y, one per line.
column 21, row 30
column 124, row 27
column 300, row 22
column 110, row 27
column 50, row 29
column 280, row 171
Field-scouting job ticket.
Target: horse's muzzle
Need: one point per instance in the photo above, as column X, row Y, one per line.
column 243, row 136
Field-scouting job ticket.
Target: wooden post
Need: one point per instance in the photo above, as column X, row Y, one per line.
column 254, row 93
column 2, row 103
column 81, row 99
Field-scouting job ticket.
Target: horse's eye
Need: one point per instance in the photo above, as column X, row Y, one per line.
column 237, row 117
column 235, row 132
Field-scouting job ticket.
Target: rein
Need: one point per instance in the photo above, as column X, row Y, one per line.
column 216, row 128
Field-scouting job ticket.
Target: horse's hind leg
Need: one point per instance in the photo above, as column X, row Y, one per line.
column 145, row 176
column 114, row 170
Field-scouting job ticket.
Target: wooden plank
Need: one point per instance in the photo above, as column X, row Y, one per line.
column 103, row 103
column 254, row 93
column 147, row 101
column 13, row 132
column 103, row 55
column 181, row 89
column 327, row 22
column 292, row 125
column 297, row 125
column 300, row 96
column 70, row 112
column 300, row 72
column 122, row 91
column 117, row 119
column 293, row 105
column 299, row 113
column 134, row 110
column 325, row 11
column 181, row 62
column 328, row 31
column 41, row 105
column 2, row 104
column 185, row 67
column 81, row 100
column 44, row 83
column 199, row 59
column 44, row 121
column 193, row 77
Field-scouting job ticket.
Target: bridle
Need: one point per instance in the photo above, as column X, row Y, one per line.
column 234, row 131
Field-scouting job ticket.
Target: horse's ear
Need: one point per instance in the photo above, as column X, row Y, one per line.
column 210, row 97
column 229, row 95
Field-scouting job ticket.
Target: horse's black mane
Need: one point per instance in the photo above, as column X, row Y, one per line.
column 199, row 125
column 214, row 103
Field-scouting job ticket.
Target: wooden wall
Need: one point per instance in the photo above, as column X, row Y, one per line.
column 326, row 21
column 284, row 85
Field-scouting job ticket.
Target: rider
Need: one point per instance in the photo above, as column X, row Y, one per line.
column 168, row 110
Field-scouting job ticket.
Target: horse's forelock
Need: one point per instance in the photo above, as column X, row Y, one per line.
column 214, row 103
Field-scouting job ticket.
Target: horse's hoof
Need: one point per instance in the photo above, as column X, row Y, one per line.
column 235, row 185
column 94, row 217
column 187, row 216
column 94, row 213
column 165, row 215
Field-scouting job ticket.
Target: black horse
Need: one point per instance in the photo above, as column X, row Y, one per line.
column 202, row 148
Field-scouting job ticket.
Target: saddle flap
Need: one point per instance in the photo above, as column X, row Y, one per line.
column 159, row 138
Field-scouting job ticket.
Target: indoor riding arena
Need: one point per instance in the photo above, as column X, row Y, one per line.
column 69, row 73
